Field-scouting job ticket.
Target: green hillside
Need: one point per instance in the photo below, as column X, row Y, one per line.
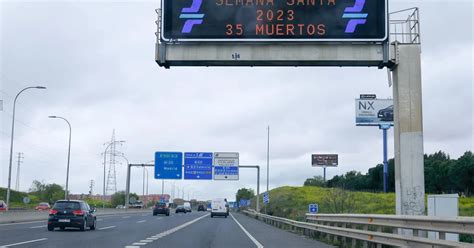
column 292, row 202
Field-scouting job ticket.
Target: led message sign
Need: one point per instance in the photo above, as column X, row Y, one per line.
column 274, row 20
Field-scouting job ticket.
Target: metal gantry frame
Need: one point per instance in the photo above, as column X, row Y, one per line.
column 129, row 170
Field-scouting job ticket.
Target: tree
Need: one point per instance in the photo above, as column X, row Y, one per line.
column 317, row 181
column 244, row 193
column 47, row 192
column 119, row 198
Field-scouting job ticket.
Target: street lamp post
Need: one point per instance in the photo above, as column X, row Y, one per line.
column 127, row 190
column 11, row 141
column 66, row 194
column 105, row 157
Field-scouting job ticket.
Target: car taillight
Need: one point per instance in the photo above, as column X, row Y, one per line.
column 78, row 212
column 53, row 211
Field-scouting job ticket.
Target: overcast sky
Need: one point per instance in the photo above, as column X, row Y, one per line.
column 97, row 60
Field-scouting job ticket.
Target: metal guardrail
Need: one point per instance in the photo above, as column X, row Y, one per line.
column 368, row 229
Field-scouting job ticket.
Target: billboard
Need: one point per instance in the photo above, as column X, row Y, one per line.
column 374, row 112
column 324, row 160
column 274, row 20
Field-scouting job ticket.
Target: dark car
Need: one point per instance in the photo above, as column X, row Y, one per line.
column 69, row 213
column 161, row 208
column 180, row 209
column 386, row 114
column 201, row 208
column 188, row 209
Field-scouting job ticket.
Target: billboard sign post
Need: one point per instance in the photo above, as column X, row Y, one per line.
column 168, row 165
column 371, row 111
column 324, row 160
column 226, row 166
column 198, row 165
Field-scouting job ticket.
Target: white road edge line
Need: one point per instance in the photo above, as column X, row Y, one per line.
column 141, row 221
column 22, row 243
column 125, row 217
column 107, row 227
column 255, row 241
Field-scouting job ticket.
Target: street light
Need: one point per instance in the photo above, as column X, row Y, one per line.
column 66, row 194
column 105, row 157
column 11, row 141
column 127, row 190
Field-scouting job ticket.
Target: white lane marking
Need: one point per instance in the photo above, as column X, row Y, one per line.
column 125, row 217
column 255, row 241
column 132, row 246
column 107, row 227
column 20, row 223
column 170, row 231
column 33, row 227
column 100, row 219
column 25, row 242
column 159, row 218
column 141, row 221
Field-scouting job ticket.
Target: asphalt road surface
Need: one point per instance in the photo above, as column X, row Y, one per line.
column 144, row 230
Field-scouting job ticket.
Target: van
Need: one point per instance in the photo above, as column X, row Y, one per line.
column 219, row 207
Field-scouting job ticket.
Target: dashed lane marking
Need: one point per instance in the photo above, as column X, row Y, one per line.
column 107, row 227
column 34, row 227
column 125, row 217
column 141, row 221
column 22, row 243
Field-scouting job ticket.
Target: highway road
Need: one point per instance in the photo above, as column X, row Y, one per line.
column 144, row 230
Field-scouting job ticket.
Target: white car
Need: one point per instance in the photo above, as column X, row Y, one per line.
column 219, row 207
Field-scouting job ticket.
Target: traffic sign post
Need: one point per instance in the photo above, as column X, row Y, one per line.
column 313, row 208
column 198, row 165
column 168, row 165
column 226, row 166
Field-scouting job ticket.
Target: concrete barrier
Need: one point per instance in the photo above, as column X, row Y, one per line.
column 28, row 215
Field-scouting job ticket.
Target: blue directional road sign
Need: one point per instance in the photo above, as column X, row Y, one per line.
column 198, row 165
column 313, row 208
column 168, row 165
column 244, row 203
column 266, row 198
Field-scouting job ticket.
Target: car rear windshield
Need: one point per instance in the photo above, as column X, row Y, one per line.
column 161, row 204
column 67, row 205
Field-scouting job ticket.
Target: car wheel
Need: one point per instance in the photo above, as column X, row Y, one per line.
column 212, row 216
column 94, row 225
column 167, row 214
column 154, row 214
column 50, row 228
column 83, row 227
column 226, row 216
